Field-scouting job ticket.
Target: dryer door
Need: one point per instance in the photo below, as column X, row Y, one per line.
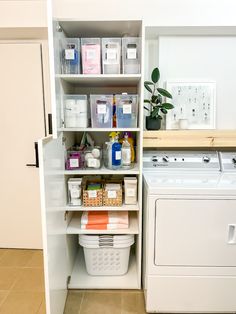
column 193, row 232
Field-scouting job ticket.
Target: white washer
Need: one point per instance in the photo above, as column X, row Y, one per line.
column 189, row 262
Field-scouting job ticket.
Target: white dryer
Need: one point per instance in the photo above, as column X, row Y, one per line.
column 189, row 261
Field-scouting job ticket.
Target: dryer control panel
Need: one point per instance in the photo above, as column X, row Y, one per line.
column 228, row 161
column 184, row 160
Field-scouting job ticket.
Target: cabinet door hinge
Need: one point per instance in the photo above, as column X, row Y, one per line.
column 63, row 140
column 58, row 28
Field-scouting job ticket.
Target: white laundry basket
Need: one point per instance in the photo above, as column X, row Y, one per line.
column 106, row 255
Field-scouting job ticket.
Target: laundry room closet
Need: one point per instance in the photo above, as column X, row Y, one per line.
column 92, row 166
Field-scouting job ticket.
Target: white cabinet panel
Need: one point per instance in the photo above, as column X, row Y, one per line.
column 53, row 196
column 195, row 232
column 22, row 123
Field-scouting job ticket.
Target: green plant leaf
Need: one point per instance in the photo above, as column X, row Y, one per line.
column 159, row 99
column 155, row 75
column 164, row 92
column 148, row 88
column 148, row 83
column 164, row 111
column 146, row 108
column 154, row 98
column 147, row 101
column 155, row 112
column 167, row 105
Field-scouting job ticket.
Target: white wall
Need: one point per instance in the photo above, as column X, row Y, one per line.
column 212, row 58
column 154, row 12
column 23, row 13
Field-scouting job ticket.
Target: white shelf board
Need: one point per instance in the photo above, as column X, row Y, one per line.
column 98, row 129
column 153, row 31
column 103, row 170
column 124, row 207
column 74, row 28
column 74, row 226
column 101, row 80
column 80, row 279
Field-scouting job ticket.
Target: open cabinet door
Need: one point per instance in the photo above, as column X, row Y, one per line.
column 53, row 198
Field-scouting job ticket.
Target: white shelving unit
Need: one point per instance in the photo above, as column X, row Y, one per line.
column 103, row 170
column 61, row 222
column 78, row 276
column 74, row 226
column 124, row 207
column 98, row 129
column 109, row 80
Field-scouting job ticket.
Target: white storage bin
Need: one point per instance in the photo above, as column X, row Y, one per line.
column 91, row 55
column 111, row 55
column 131, row 55
column 106, row 255
column 70, row 55
column 126, row 110
column 101, row 111
column 75, row 111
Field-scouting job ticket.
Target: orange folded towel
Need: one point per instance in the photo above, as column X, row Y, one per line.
column 105, row 220
column 105, row 227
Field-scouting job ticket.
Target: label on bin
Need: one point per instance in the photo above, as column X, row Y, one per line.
column 74, row 163
column 92, row 194
column 101, row 109
column 111, row 54
column 131, row 53
column 90, row 54
column 127, row 109
column 111, row 194
column 75, row 192
column 92, row 162
column 130, row 192
column 70, row 54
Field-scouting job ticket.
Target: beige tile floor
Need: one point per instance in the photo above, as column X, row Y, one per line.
column 22, row 290
column 21, row 282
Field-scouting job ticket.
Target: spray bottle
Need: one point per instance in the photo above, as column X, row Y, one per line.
column 126, row 152
column 115, row 151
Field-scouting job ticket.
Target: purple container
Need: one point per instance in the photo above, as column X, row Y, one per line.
column 74, row 160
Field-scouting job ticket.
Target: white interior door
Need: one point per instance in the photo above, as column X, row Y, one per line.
column 195, row 232
column 22, row 124
column 53, row 198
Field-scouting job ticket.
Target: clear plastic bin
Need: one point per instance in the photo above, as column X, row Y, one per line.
column 111, row 55
column 106, row 255
column 93, row 157
column 91, row 55
column 126, row 110
column 75, row 111
column 70, row 55
column 74, row 160
column 75, row 191
column 101, row 111
column 131, row 55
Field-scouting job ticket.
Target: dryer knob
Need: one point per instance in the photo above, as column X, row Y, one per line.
column 165, row 159
column 234, row 160
column 206, row 159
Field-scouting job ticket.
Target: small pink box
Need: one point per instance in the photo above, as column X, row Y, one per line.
column 91, row 56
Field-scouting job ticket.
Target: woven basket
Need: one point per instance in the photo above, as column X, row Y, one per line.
column 92, row 198
column 112, row 198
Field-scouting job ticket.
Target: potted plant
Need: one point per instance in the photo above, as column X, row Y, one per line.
column 157, row 106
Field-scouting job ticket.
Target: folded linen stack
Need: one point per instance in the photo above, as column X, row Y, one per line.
column 105, row 220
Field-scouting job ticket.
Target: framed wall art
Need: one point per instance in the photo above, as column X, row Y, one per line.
column 194, row 105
